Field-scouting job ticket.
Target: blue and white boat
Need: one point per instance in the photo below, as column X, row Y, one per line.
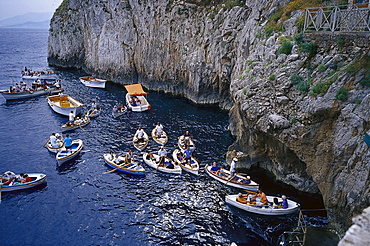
column 131, row 168
column 65, row 155
column 37, row 179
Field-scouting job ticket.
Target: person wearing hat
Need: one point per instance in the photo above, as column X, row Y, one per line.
column 233, row 167
column 247, row 180
column 284, row 203
column 241, row 199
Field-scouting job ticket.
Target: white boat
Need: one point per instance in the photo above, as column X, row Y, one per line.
column 154, row 163
column 259, row 208
column 135, row 98
column 163, row 139
column 142, row 144
column 91, row 81
column 34, row 91
column 69, row 127
column 93, row 113
column 192, row 168
column 119, row 111
column 65, row 155
column 37, row 179
column 33, row 75
column 131, row 168
column 236, row 182
column 64, row 104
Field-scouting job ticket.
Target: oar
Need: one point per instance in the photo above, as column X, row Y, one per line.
column 252, row 192
column 111, row 171
column 44, row 144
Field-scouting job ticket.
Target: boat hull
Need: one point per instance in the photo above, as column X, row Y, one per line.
column 66, row 128
column 93, row 82
column 23, row 95
column 38, row 179
column 160, row 140
column 134, row 169
column 270, row 210
column 59, row 107
column 63, row 155
column 144, row 106
column 153, row 164
column 253, row 186
column 193, row 170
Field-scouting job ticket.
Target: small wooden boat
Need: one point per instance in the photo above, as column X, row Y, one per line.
column 64, row 104
column 142, row 144
column 91, row 81
column 54, row 149
column 34, row 91
column 64, row 155
column 224, row 177
column 170, row 166
column 78, row 124
column 93, row 113
column 37, row 179
column 131, row 168
column 163, row 139
column 259, row 208
column 192, row 168
column 121, row 110
column 33, row 75
column 135, row 98
column 182, row 144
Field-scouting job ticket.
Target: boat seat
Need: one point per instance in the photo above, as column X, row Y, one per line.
column 64, row 97
column 65, row 104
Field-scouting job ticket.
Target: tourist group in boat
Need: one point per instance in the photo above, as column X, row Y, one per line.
column 252, row 199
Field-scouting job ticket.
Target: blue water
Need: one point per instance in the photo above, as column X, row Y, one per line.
column 80, row 205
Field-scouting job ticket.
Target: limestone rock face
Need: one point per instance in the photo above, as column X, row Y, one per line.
column 216, row 55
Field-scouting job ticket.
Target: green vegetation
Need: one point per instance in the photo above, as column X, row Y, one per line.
column 272, row 77
column 250, row 63
column 240, row 77
column 286, row 48
column 296, row 79
column 340, row 42
column 321, row 68
column 245, row 90
column 362, row 63
column 63, row 7
column 310, row 48
column 342, row 94
column 294, row 120
column 303, row 87
column 322, row 88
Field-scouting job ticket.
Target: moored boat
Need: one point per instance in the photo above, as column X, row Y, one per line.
column 117, row 163
column 29, row 74
column 65, row 155
column 135, row 98
column 162, row 139
column 238, row 181
column 91, row 81
column 140, row 145
column 192, row 167
column 78, row 123
column 34, row 91
column 37, row 179
column 64, row 104
column 258, row 208
column 169, row 166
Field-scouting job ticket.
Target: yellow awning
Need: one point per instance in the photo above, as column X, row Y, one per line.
column 135, row 90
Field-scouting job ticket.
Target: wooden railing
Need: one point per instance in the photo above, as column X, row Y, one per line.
column 351, row 18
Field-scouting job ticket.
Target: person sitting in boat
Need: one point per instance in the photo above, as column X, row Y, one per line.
column 77, row 121
column 241, row 198
column 8, row 177
column 180, row 156
column 139, row 135
column 68, row 142
column 188, row 153
column 128, row 157
column 187, row 138
column 247, row 180
column 262, row 196
column 133, row 101
column 115, row 109
column 188, row 162
column 215, row 168
column 26, row 178
column 284, row 203
column 162, row 156
column 151, row 157
column 158, row 130
column 54, row 141
column 222, row 174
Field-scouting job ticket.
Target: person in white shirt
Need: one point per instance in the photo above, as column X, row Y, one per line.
column 162, row 155
column 71, row 117
column 158, row 130
column 139, row 135
column 233, row 167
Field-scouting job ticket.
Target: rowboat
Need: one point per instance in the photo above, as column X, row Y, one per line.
column 77, row 124
column 135, row 98
column 258, row 208
column 154, row 163
column 91, row 81
column 223, row 176
column 64, row 104
column 142, row 144
column 35, row 91
column 33, row 75
column 192, row 168
column 64, row 155
column 52, row 149
column 160, row 139
column 131, row 168
column 37, row 179
column 182, row 143
column 93, row 113
column 119, row 111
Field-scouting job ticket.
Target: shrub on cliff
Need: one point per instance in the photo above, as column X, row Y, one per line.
column 342, row 94
column 286, row 48
column 296, row 79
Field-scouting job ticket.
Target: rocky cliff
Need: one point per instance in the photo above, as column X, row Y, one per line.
column 300, row 113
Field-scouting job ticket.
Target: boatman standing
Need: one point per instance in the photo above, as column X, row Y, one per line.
column 233, row 167
column 71, row 117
